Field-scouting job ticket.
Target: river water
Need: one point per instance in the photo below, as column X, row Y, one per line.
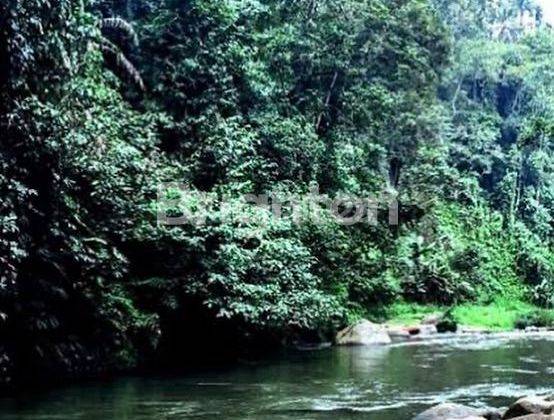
column 382, row 383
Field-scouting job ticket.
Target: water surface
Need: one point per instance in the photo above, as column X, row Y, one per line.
column 382, row 383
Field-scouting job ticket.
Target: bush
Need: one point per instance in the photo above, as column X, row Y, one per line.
column 539, row 318
column 448, row 322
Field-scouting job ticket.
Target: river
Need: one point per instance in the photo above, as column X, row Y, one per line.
column 381, row 383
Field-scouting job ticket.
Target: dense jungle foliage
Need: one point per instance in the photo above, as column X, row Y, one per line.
column 444, row 105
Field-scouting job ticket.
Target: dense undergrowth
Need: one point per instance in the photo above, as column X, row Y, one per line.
column 444, row 106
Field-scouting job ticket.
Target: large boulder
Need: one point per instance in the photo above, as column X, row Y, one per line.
column 427, row 329
column 471, row 418
column 537, row 417
column 448, row 411
column 398, row 334
column 492, row 414
column 530, row 405
column 364, row 333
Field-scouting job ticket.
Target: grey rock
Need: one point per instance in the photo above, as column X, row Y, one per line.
column 428, row 329
column 470, row 418
column 532, row 329
column 492, row 414
column 529, row 405
column 448, row 411
column 364, row 333
column 398, row 334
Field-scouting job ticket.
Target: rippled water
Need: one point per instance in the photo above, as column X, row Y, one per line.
column 383, row 383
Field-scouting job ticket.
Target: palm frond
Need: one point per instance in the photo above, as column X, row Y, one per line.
column 122, row 62
column 121, row 25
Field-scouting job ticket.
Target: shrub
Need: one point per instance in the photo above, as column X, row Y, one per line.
column 539, row 318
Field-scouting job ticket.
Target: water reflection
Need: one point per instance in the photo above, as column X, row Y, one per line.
column 382, row 383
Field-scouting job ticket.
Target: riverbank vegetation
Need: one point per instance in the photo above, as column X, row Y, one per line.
column 501, row 315
column 446, row 107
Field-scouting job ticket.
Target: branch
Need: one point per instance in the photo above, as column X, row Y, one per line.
column 327, row 100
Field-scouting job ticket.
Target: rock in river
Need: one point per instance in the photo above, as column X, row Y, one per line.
column 364, row 333
column 450, row 411
column 530, row 405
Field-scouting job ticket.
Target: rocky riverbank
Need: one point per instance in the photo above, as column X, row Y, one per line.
column 365, row 333
column 527, row 408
